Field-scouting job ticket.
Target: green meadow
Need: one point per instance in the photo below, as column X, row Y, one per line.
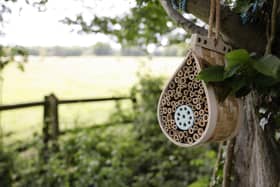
column 73, row 78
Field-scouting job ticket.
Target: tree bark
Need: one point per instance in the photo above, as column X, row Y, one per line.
column 256, row 153
column 256, row 157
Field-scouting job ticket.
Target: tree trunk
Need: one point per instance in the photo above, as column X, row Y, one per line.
column 256, row 153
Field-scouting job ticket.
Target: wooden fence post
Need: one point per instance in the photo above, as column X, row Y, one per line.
column 134, row 103
column 51, row 122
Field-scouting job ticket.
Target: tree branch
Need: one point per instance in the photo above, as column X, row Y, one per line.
column 250, row 36
column 186, row 24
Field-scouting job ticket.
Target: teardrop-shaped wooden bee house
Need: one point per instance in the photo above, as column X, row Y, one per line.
column 189, row 112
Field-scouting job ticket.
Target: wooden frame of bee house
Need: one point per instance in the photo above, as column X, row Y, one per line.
column 188, row 111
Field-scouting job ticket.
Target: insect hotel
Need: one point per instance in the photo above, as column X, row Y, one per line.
column 189, row 113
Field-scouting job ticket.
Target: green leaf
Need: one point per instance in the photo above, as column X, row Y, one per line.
column 235, row 58
column 268, row 65
column 212, row 74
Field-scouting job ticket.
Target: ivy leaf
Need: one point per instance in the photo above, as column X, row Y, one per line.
column 268, row 65
column 212, row 74
column 235, row 58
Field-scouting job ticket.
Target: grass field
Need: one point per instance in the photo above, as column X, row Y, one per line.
column 73, row 77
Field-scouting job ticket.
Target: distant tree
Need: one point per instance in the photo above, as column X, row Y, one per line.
column 102, row 49
column 132, row 51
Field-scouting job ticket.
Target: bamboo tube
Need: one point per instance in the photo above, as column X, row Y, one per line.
column 202, row 123
column 172, row 85
column 178, row 90
column 189, row 62
column 204, row 99
column 191, row 77
column 195, row 100
column 181, row 102
column 195, row 85
column 169, row 92
column 176, row 79
column 206, row 109
column 185, row 92
column 167, row 97
column 200, row 131
column 182, row 86
column 189, row 140
column 174, row 127
column 196, row 114
column 166, row 127
column 192, row 94
column 190, row 90
column 191, row 69
column 182, row 81
column 180, row 73
column 190, row 131
column 200, row 91
column 205, row 117
column 169, row 117
column 195, row 92
column 181, row 135
column 171, row 132
column 176, row 138
column 169, row 110
column 164, row 110
column 195, row 136
column 179, row 95
column 163, row 102
column 198, row 106
column 201, row 112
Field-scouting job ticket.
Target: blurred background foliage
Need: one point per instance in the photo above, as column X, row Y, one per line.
column 136, row 154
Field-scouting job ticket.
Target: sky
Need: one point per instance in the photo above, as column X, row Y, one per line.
column 27, row 26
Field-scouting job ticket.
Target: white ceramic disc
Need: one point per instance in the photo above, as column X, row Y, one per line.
column 184, row 117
